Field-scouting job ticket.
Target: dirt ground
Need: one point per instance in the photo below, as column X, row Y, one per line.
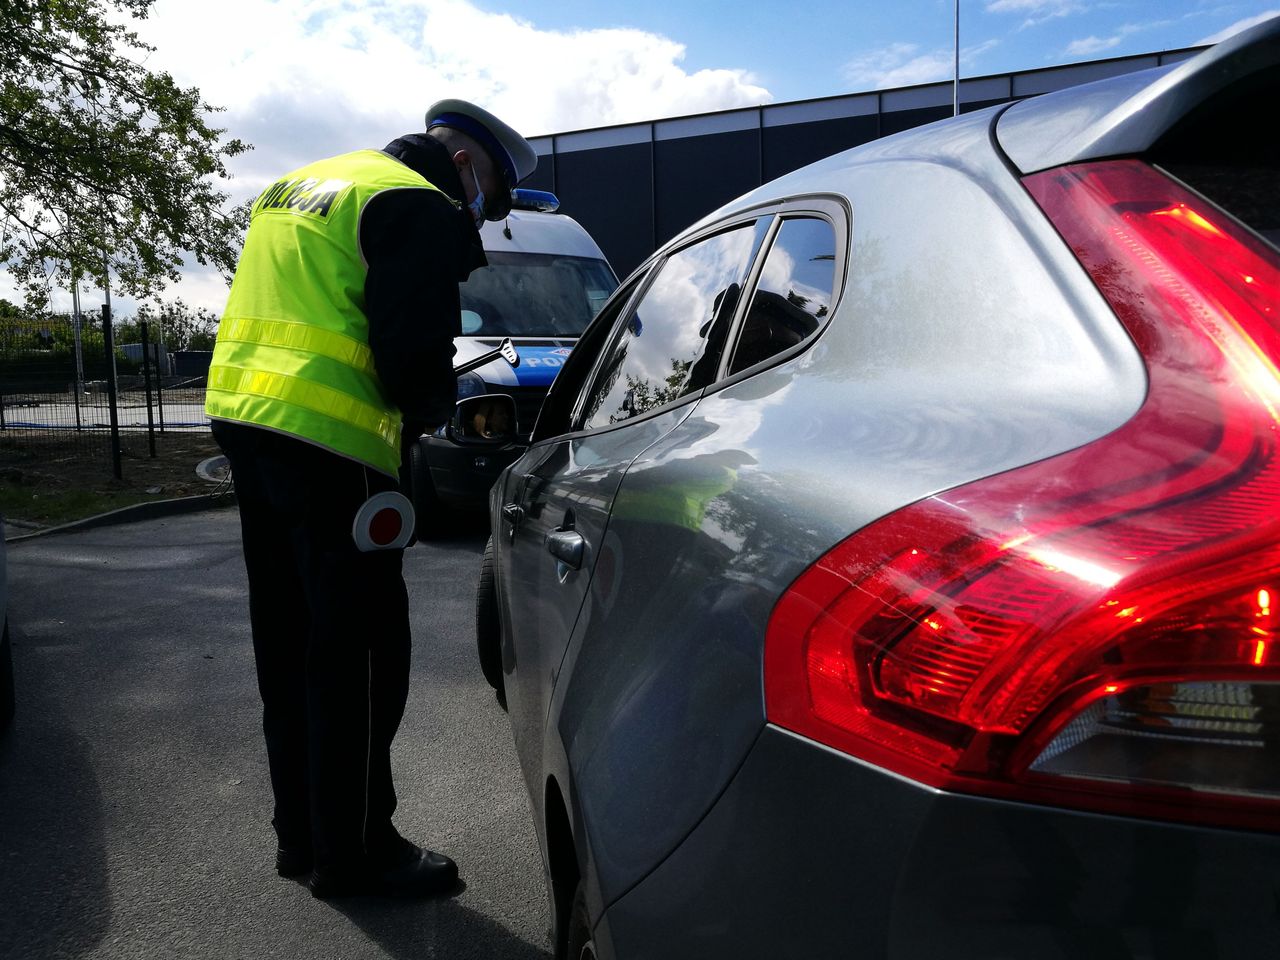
column 47, row 481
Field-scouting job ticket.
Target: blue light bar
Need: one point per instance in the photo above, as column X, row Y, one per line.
column 542, row 201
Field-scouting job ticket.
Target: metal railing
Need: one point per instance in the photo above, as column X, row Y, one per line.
column 68, row 390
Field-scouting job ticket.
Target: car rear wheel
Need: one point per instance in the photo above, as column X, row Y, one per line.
column 581, row 945
column 428, row 511
column 488, row 627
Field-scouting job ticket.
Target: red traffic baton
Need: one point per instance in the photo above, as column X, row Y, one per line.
column 384, row 522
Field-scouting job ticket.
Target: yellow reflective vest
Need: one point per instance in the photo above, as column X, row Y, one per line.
column 292, row 353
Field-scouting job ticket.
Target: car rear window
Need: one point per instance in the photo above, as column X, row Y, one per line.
column 534, row 295
column 1227, row 150
column 793, row 294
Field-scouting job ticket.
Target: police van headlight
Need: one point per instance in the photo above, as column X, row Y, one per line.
column 470, row 385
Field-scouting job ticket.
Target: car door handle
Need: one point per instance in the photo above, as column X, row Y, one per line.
column 567, row 546
column 512, row 513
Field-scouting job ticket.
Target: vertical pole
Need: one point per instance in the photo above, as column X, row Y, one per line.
column 108, row 338
column 78, row 323
column 146, row 380
column 3, row 425
column 955, row 89
column 160, row 374
column 78, row 389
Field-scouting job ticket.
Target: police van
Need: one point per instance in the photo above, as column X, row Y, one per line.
column 545, row 282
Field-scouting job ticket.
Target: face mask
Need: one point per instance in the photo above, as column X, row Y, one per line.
column 476, row 206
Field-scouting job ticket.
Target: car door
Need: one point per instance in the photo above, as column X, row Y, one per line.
column 660, row 694
column 663, row 347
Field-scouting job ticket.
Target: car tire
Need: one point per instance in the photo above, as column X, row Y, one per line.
column 6, row 680
column 489, row 627
column 579, row 944
column 429, row 513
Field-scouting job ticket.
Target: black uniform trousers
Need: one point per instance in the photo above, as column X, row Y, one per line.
column 330, row 639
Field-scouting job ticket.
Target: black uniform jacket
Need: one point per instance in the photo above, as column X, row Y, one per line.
column 419, row 247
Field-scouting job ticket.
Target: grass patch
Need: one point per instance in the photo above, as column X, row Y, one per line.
column 46, row 483
column 52, row 508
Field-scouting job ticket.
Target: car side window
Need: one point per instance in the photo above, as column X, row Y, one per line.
column 556, row 415
column 793, row 295
column 670, row 344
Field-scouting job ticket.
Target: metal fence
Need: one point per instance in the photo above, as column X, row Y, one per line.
column 68, row 390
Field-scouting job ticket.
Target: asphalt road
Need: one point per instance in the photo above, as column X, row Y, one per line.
column 134, row 799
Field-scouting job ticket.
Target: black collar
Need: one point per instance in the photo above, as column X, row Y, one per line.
column 430, row 158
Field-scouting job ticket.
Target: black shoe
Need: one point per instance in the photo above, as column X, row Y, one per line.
column 416, row 873
column 425, row 874
column 292, row 861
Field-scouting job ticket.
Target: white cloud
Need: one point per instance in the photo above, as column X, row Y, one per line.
column 1042, row 7
column 1237, row 27
column 303, row 79
column 1037, row 11
column 902, row 65
column 1091, row 45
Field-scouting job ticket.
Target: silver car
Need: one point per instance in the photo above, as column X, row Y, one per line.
column 895, row 567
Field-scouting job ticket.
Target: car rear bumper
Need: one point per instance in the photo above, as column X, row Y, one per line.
column 781, row 867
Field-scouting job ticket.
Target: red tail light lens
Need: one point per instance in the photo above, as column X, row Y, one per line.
column 1096, row 629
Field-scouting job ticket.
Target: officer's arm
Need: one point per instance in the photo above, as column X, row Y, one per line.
column 410, row 240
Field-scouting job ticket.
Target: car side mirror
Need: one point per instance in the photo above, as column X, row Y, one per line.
column 486, row 420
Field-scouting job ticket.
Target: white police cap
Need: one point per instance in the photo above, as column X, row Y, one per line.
column 509, row 150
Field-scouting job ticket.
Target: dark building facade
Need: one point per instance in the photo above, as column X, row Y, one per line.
column 636, row 185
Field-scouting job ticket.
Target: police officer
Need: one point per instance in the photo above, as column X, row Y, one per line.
column 335, row 350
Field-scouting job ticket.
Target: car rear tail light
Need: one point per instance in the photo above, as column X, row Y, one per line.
column 1102, row 628
column 1207, row 735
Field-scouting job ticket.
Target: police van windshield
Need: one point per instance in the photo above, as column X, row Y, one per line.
column 534, row 295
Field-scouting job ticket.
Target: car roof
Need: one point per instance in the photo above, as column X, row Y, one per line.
column 534, row 232
column 1120, row 115
column 1126, row 115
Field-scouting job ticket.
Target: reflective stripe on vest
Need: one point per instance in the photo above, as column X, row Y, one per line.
column 314, row 397
column 299, row 336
